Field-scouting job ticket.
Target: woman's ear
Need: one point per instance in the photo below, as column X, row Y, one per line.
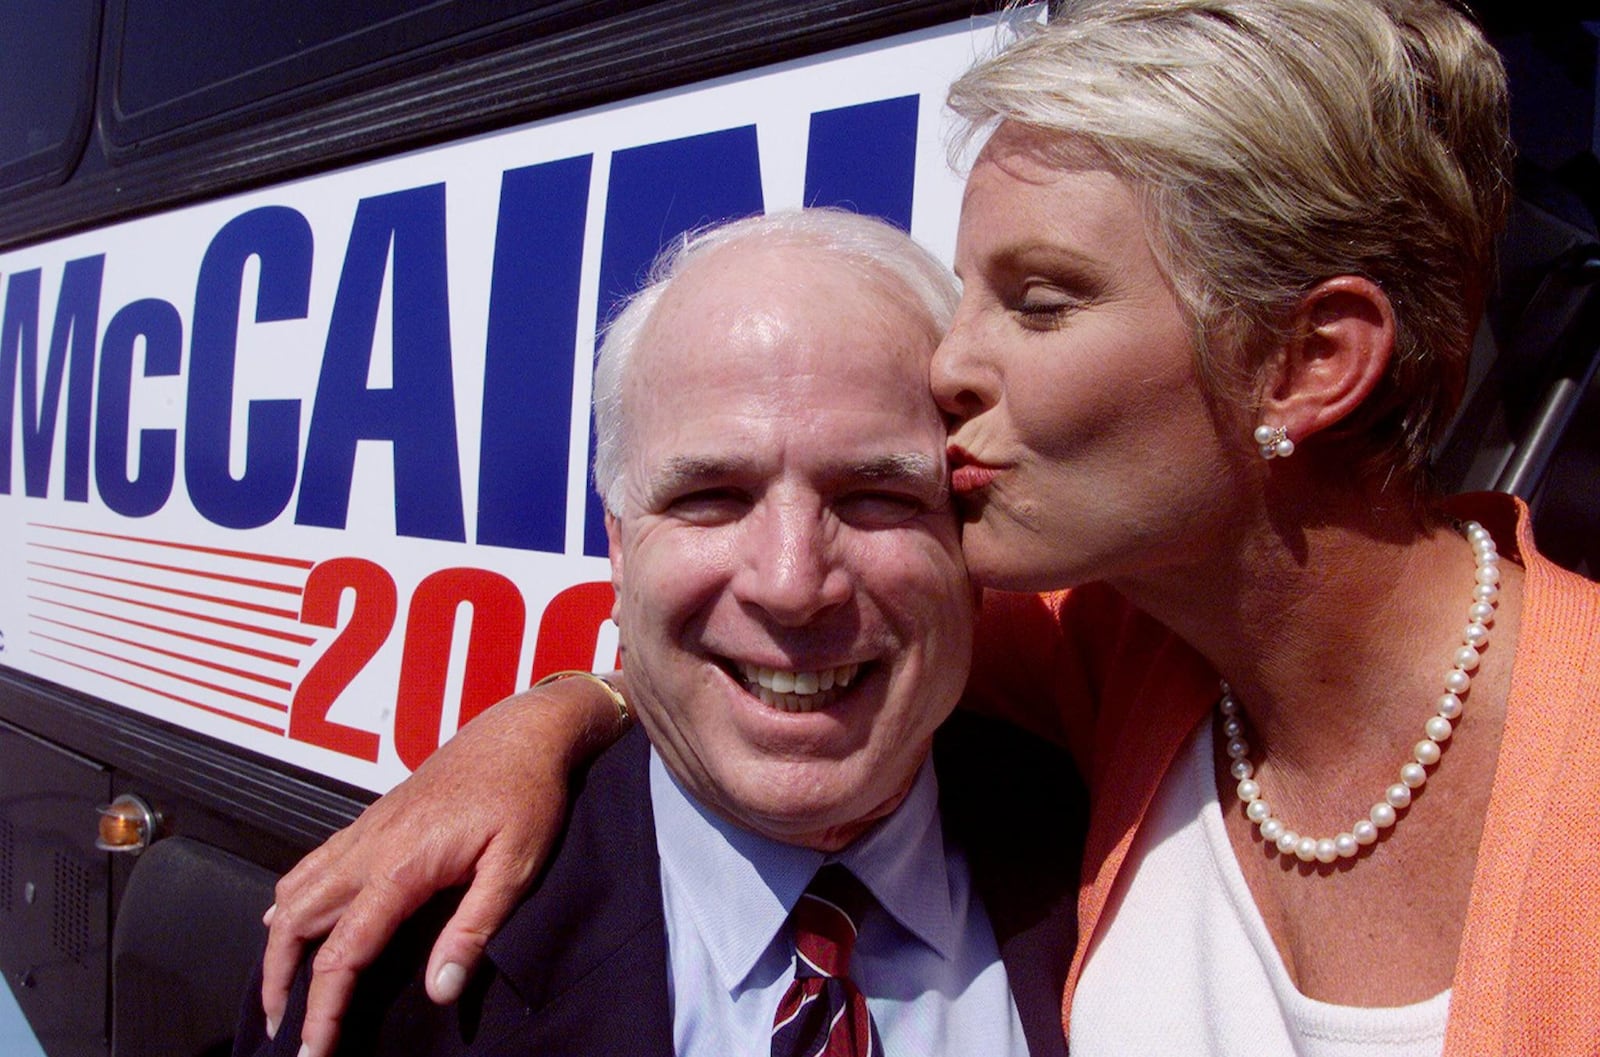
column 1341, row 336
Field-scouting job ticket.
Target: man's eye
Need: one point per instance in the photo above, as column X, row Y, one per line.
column 709, row 506
column 879, row 509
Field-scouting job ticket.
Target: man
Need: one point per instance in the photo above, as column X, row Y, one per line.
column 784, row 556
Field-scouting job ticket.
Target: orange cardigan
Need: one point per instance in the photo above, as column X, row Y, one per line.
column 1528, row 976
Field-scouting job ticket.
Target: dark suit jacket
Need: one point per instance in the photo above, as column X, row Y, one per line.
column 581, row 967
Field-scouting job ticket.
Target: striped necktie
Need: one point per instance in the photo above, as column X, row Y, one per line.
column 824, row 1014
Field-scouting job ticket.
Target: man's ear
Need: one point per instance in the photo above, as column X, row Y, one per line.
column 1341, row 337
column 614, row 545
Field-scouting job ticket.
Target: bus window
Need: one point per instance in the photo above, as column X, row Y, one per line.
column 173, row 69
column 48, row 53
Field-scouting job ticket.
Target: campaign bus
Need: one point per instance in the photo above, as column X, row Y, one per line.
column 298, row 313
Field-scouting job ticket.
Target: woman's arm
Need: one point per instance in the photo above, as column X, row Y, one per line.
column 483, row 809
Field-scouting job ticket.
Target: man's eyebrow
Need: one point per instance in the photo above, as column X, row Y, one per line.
column 681, row 471
column 898, row 466
column 684, row 473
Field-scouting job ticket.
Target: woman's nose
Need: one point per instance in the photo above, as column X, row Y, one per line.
column 962, row 385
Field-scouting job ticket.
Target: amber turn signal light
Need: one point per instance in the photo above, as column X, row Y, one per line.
column 126, row 824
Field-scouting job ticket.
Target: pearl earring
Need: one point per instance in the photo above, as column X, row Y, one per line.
column 1274, row 441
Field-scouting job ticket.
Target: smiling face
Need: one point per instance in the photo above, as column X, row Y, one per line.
column 1082, row 443
column 794, row 613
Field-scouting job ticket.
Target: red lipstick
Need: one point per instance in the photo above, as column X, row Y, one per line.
column 967, row 474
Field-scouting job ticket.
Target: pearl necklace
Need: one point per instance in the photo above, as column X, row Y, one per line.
column 1426, row 753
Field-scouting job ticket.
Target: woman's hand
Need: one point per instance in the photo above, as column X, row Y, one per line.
column 483, row 809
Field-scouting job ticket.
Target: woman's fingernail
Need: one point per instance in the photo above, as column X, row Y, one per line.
column 450, row 981
column 272, row 1028
column 266, row 919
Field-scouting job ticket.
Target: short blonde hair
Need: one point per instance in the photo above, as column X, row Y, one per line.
column 1277, row 143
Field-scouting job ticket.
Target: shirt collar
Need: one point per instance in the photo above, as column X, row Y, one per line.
column 901, row 860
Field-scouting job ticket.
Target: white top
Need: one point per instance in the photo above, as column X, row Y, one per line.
column 1184, row 965
column 925, row 956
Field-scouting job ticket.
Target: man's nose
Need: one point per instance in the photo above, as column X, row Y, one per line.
column 790, row 567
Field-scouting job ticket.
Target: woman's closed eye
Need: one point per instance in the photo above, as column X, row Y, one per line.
column 1042, row 306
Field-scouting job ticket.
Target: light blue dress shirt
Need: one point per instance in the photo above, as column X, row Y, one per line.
column 926, row 958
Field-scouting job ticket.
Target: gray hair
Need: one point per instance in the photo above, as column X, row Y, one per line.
column 1277, row 143
column 881, row 255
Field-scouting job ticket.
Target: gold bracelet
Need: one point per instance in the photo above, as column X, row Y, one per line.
column 624, row 713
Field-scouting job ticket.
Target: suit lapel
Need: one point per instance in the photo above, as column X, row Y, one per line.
column 1017, row 807
column 586, row 956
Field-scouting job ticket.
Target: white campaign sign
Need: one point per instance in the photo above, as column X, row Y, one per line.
column 305, row 469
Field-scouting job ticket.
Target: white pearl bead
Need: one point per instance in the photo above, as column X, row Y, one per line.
column 1264, row 434
column 1284, row 448
column 1426, row 753
column 1473, row 530
column 1268, row 451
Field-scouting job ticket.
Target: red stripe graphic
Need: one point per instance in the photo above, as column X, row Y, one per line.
column 275, row 658
column 242, row 581
column 286, row 636
column 157, row 615
column 242, row 673
column 270, row 559
column 252, row 607
column 268, row 727
column 240, row 694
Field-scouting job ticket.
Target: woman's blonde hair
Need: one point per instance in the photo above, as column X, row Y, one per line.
column 1277, row 143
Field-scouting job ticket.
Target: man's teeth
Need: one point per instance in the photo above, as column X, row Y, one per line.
column 797, row 691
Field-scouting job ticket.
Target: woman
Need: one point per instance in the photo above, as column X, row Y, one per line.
column 1222, row 261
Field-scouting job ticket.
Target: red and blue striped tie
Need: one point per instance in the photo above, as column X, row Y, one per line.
column 824, row 1014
